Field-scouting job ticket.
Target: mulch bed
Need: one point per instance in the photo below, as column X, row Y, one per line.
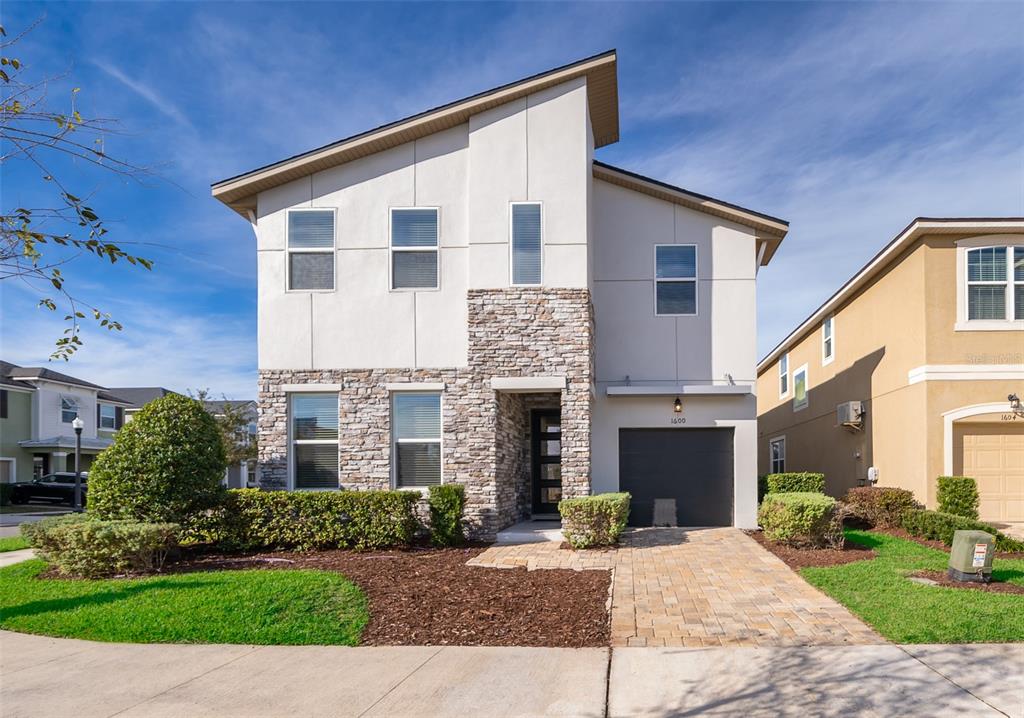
column 429, row 596
column 942, row 579
column 798, row 558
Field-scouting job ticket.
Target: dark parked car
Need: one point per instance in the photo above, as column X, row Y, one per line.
column 58, row 488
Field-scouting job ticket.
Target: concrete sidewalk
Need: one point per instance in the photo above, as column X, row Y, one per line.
column 55, row 677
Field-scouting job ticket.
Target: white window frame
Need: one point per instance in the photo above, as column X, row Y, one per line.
column 784, row 375
column 696, row 284
column 829, row 340
column 293, row 442
column 396, row 441
column 75, row 402
column 511, row 270
column 1009, row 284
column 113, row 419
column 771, row 458
column 807, row 388
column 392, row 249
column 288, row 251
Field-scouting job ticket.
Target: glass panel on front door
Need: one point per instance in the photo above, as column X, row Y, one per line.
column 546, row 453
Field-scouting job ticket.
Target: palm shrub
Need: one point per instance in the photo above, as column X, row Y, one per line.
column 447, row 502
column 165, row 465
column 594, row 520
column 802, row 518
column 958, row 495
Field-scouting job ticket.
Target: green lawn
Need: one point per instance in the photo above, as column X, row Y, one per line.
column 251, row 606
column 906, row 612
column 12, row 543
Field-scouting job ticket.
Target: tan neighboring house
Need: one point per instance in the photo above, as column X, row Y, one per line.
column 904, row 374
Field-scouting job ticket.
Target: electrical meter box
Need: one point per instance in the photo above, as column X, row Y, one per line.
column 970, row 558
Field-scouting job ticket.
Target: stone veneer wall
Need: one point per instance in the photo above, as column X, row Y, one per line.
column 512, row 332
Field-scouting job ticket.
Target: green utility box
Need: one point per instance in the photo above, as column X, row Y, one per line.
column 970, row 558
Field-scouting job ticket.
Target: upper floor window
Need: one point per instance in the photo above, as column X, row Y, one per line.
column 828, row 341
column 995, row 283
column 783, row 375
column 68, row 409
column 311, row 249
column 108, row 416
column 527, row 244
column 675, row 284
column 800, row 388
column 313, row 433
column 3, row 403
column 414, row 248
column 416, row 439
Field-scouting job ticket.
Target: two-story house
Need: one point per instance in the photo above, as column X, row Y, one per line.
column 37, row 408
column 467, row 295
column 904, row 374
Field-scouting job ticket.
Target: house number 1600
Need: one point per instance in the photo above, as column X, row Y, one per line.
column 678, row 420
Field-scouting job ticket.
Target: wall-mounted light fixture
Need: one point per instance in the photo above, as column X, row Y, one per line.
column 1015, row 405
column 677, row 406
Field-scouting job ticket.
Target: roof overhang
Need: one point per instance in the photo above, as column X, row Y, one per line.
column 771, row 230
column 918, row 228
column 240, row 192
column 61, row 443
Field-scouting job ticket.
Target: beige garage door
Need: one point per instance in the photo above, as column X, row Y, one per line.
column 994, row 455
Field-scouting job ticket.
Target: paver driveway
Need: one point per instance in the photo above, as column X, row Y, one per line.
column 699, row 587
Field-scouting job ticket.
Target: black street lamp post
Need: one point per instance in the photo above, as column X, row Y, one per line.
column 78, row 424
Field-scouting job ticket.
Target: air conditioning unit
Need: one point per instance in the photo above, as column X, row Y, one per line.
column 850, row 414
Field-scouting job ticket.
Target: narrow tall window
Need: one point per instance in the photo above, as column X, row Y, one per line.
column 783, row 375
column 527, row 244
column 311, row 249
column 416, row 439
column 68, row 409
column 777, row 449
column 675, row 283
column 827, row 340
column 314, row 441
column 1018, row 282
column 108, row 416
column 414, row 248
column 800, row 388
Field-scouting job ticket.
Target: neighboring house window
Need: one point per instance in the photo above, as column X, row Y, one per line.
column 311, row 249
column 3, row 403
column 108, row 416
column 783, row 375
column 995, row 283
column 527, row 244
column 416, row 439
column 800, row 388
column 828, row 342
column 414, row 249
column 777, row 449
column 314, row 440
column 675, row 282
column 68, row 409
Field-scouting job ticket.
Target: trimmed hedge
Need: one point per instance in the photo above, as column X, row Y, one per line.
column 939, row 526
column 881, row 506
column 958, row 495
column 594, row 520
column 447, row 502
column 803, row 518
column 253, row 520
column 795, row 482
column 87, row 547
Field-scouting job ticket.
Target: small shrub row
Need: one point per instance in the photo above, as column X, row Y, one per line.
column 594, row 520
column 795, row 482
column 447, row 502
column 881, row 506
column 250, row 520
column 87, row 547
column 940, row 526
column 802, row 518
column 958, row 495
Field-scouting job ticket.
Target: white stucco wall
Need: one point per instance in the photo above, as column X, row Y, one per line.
column 46, row 415
column 535, row 149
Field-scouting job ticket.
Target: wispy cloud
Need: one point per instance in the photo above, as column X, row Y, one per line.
column 146, row 92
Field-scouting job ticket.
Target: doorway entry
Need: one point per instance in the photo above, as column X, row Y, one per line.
column 546, row 459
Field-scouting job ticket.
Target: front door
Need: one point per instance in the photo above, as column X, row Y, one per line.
column 546, row 450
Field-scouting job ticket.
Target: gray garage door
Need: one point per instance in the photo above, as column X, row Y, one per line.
column 692, row 466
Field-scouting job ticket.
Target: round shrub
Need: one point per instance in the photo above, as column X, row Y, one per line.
column 958, row 495
column 881, row 506
column 802, row 519
column 166, row 464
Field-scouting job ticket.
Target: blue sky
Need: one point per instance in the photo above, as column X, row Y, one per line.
column 846, row 119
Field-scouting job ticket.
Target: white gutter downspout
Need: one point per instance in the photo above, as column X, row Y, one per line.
column 762, row 246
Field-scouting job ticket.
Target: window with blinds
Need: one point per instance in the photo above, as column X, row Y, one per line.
column 527, row 244
column 995, row 283
column 313, row 425
column 675, row 279
column 416, row 439
column 311, row 249
column 414, row 254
